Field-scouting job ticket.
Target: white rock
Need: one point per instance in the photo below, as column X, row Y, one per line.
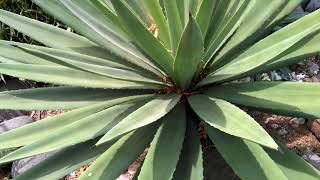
column 297, row 77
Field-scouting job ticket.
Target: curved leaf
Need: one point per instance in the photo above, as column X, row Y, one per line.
column 190, row 165
column 79, row 131
column 47, row 34
column 267, row 49
column 147, row 114
column 287, row 98
column 58, row 98
column 165, row 147
column 95, row 66
column 189, row 54
column 257, row 164
column 119, row 156
column 65, row 161
column 154, row 8
column 36, row 131
column 68, row 76
column 293, row 166
column 107, row 38
column 142, row 37
column 230, row 119
column 174, row 21
column 260, row 15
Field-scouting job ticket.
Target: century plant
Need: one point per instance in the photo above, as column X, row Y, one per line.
column 143, row 74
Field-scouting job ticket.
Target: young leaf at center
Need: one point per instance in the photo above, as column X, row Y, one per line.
column 189, row 54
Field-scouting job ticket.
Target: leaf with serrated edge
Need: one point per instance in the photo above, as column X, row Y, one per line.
column 119, row 156
column 257, row 164
column 172, row 131
column 150, row 112
column 230, row 119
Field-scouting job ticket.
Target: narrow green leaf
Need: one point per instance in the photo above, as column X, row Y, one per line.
column 293, row 166
column 108, row 69
column 59, row 11
column 107, row 38
column 237, row 13
column 143, row 38
column 140, row 11
column 190, row 165
column 68, row 76
column 147, row 114
column 217, row 18
column 165, row 147
column 47, row 34
column 289, row 7
column 189, row 54
column 117, row 158
column 267, row 49
column 183, row 7
column 80, row 131
column 155, row 10
column 19, row 56
column 286, row 98
column 58, row 98
column 194, row 6
column 65, row 161
column 230, row 119
column 174, row 21
column 205, row 13
column 256, row 162
column 36, row 131
column 259, row 16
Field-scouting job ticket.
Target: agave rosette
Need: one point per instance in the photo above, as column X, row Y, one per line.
column 144, row 73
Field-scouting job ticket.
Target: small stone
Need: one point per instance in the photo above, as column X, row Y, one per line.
column 21, row 166
column 274, row 126
column 296, row 122
column 312, row 158
column 282, row 132
column 297, row 77
column 314, row 126
column 14, row 123
column 312, row 68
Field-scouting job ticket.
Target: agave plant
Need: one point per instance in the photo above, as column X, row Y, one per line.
column 145, row 73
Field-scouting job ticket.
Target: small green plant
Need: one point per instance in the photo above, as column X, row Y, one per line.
column 145, row 73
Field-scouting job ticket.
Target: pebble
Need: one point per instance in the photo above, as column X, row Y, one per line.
column 296, row 122
column 14, row 123
column 274, row 126
column 312, row 158
column 312, row 68
column 282, row 132
column 21, row 166
column 314, row 126
column 297, row 77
